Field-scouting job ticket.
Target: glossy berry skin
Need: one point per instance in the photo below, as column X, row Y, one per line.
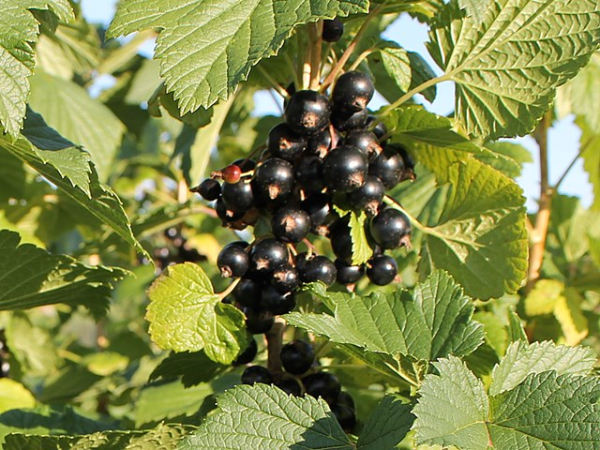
column 345, row 169
column 318, row 207
column 345, row 399
column 345, row 416
column 267, row 255
column 322, row 384
column 352, row 91
column 307, row 112
column 368, row 197
column 390, row 229
column 290, row 224
column 248, row 292
column 284, row 143
column 349, row 121
column 297, row 357
column 409, row 164
column 290, row 386
column 276, row 302
column 348, row 273
column 258, row 320
column 380, row 130
column 225, row 214
column 231, row 173
column 388, row 167
column 233, row 261
column 365, row 141
column 309, row 174
column 382, row 270
column 319, row 268
column 285, row 279
column 246, row 165
column 333, row 30
column 273, row 180
column 209, row 189
column 320, row 144
column 257, row 374
column 248, row 355
column 341, row 240
column 238, row 196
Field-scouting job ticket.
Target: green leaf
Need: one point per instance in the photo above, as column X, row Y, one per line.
column 480, row 236
column 506, row 157
column 475, row 8
column 591, row 160
column 453, row 408
column 582, row 94
column 14, row 395
column 68, row 109
column 387, row 425
column 70, row 170
column 207, row 48
column 434, row 322
column 19, row 30
column 361, row 250
column 193, row 368
column 186, row 315
column 265, row 417
column 545, row 411
column 506, row 68
column 30, row 277
column 522, row 360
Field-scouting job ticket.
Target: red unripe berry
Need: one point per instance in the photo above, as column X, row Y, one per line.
column 232, row 174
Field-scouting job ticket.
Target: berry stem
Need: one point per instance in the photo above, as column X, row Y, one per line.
column 229, row 289
column 339, row 66
column 274, row 84
column 274, row 345
column 410, row 94
column 582, row 150
column 292, row 68
column 316, row 44
column 362, row 57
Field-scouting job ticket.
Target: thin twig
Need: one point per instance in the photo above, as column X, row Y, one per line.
column 274, row 84
column 582, row 150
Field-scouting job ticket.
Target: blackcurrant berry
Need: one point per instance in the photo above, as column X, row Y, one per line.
column 307, row 112
column 345, row 416
column 319, row 268
column 285, row 144
column 285, row 279
column 352, row 91
column 349, row 121
column 318, row 207
column 332, row 30
column 409, row 164
column 341, row 240
column 290, row 386
column 231, row 173
column 309, row 174
column 225, row 214
column 390, row 229
column 379, row 130
column 290, row 224
column 258, row 320
column 233, row 261
column 347, row 273
column 365, row 141
column 246, row 165
column 345, row 399
column 268, row 254
column 257, row 374
column 273, row 180
column 247, row 355
column 322, row 384
column 238, row 196
column 248, row 292
column 209, row 189
column 345, row 169
column 388, row 167
column 321, row 143
column 276, row 302
column 382, row 270
column 297, row 357
column 368, row 197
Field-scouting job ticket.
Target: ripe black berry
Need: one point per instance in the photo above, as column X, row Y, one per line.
column 349, row 121
column 247, row 355
column 297, row 357
column 379, row 130
column 365, row 141
column 368, row 197
column 390, row 229
column 307, row 112
column 321, row 143
column 276, row 302
column 285, row 279
column 268, row 255
column 209, row 189
column 388, row 167
column 231, row 173
column 345, row 169
column 341, row 240
column 258, row 320
column 382, row 270
column 273, row 180
column 238, row 196
column 246, row 165
column 233, row 261
column 319, row 268
column 345, row 399
column 290, row 224
column 309, row 174
column 332, row 30
column 248, row 292
column 347, row 273
column 409, row 164
column 257, row 374
column 284, row 143
column 290, row 386
column 345, row 416
column 318, row 207
column 353, row 91
column 322, row 384
column 225, row 214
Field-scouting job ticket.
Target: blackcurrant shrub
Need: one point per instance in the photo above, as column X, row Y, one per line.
column 322, row 384
column 209, row 189
column 332, row 30
column 284, row 143
column 297, row 357
column 368, row 197
column 345, row 169
column 233, row 261
column 257, row 374
column 382, row 270
column 307, row 112
column 268, row 254
column 248, row 355
column 390, row 228
column 290, row 224
column 352, row 91
column 319, row 268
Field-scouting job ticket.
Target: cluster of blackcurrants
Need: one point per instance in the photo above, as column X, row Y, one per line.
column 175, row 250
column 300, row 377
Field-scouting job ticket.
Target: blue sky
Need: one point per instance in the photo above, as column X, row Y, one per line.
column 563, row 139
